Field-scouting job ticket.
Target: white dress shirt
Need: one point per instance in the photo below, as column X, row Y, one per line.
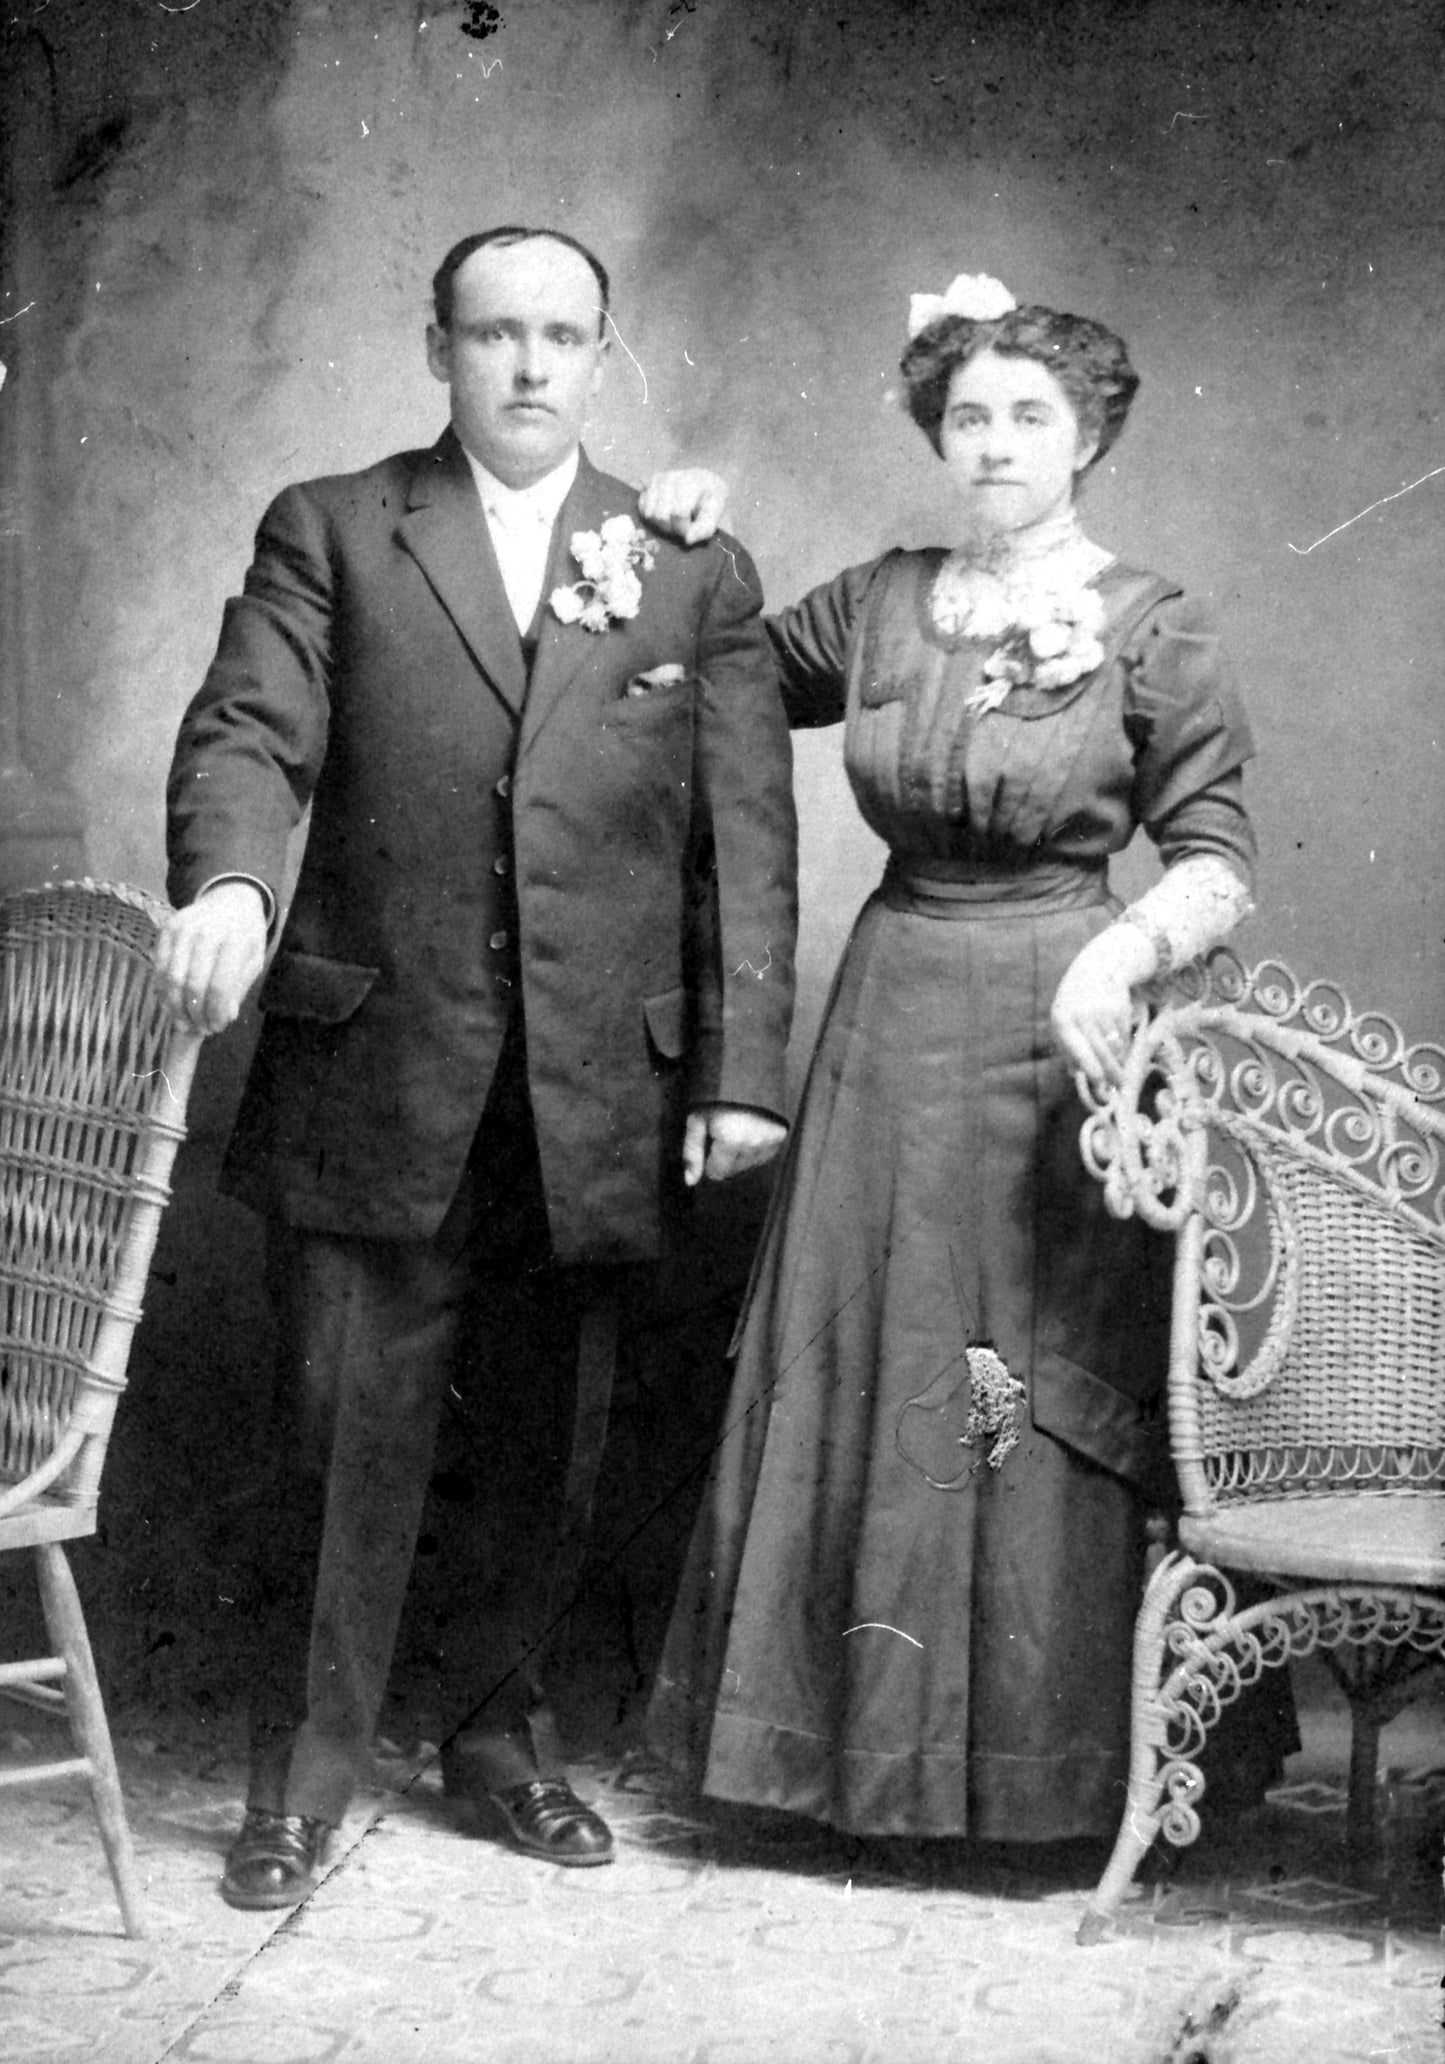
column 520, row 520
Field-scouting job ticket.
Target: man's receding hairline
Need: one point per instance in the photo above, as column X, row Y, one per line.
column 533, row 236
column 506, row 237
column 541, row 237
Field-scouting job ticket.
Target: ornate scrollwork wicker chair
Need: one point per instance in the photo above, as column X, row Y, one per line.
column 93, row 1084
column 1295, row 1148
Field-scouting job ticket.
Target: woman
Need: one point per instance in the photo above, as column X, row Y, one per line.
column 910, row 1599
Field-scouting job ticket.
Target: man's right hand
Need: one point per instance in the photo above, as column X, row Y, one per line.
column 687, row 501
column 209, row 954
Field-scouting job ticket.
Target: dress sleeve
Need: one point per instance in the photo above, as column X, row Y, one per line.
column 1191, row 739
column 811, row 641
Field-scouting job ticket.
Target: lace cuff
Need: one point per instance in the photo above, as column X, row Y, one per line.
column 1195, row 906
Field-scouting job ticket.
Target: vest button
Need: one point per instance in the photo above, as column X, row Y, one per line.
column 504, row 786
column 497, row 942
column 501, row 865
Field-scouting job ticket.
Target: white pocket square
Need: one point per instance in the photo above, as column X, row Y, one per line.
column 655, row 677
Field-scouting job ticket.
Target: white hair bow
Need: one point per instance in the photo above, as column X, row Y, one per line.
column 972, row 294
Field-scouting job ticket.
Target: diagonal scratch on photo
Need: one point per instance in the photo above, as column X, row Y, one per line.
column 1408, row 488
column 722, row 1032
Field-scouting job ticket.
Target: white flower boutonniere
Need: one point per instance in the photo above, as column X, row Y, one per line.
column 610, row 590
column 1044, row 616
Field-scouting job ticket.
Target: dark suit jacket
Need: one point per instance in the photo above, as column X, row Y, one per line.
column 372, row 669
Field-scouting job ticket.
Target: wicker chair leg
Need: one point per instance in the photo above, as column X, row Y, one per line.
column 1361, row 1832
column 65, row 1623
column 1140, row 1825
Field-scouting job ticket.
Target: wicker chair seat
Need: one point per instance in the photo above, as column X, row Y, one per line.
column 1399, row 1539
column 46, row 1519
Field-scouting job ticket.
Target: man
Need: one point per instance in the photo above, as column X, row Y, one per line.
column 535, row 979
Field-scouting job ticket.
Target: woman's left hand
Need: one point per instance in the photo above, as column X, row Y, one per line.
column 1093, row 1010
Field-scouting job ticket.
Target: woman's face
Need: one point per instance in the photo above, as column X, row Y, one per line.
column 1011, row 441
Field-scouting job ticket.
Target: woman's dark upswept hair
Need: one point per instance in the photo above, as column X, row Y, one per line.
column 1089, row 362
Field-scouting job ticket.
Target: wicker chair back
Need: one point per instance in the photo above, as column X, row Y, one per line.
column 93, row 1085
column 1297, row 1149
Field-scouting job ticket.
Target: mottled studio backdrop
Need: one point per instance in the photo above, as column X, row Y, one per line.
column 224, row 218
column 221, row 218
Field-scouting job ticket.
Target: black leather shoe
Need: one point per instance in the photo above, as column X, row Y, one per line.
column 546, row 1818
column 275, row 1860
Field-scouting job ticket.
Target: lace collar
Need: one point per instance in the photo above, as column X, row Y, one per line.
column 1056, row 548
column 1029, row 594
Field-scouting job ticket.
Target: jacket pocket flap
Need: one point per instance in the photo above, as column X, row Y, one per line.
column 308, row 985
column 666, row 1017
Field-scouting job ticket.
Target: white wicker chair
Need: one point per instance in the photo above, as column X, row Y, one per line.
column 93, row 1084
column 1296, row 1150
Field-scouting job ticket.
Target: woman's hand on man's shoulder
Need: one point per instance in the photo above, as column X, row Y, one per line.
column 688, row 502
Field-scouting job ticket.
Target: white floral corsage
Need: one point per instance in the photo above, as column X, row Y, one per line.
column 1046, row 626
column 610, row 590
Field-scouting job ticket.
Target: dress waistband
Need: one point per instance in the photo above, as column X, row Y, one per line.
column 984, row 889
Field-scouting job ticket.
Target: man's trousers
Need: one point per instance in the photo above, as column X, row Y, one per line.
column 373, row 1339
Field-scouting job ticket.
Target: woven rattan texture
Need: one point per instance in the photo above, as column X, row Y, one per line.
column 1359, row 1392
column 82, row 1041
column 1310, row 1140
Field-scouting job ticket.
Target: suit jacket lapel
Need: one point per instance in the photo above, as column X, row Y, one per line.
column 562, row 648
column 446, row 533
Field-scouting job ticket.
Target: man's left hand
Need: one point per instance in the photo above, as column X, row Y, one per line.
column 724, row 1139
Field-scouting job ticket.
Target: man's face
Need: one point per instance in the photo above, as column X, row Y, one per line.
column 523, row 355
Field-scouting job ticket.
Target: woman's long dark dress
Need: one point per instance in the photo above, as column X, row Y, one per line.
column 876, row 1627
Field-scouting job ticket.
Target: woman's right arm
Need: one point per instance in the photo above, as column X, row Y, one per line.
column 811, row 642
